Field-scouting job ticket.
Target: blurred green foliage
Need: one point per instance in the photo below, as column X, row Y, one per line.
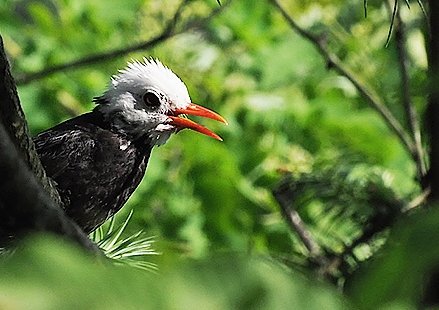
column 406, row 275
column 45, row 274
column 288, row 115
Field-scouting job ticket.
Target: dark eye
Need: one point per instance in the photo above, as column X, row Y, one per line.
column 151, row 100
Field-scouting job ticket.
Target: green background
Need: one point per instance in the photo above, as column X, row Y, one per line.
column 209, row 205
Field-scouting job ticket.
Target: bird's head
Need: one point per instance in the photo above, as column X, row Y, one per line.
column 146, row 99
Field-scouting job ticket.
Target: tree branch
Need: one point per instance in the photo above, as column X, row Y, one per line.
column 12, row 116
column 410, row 111
column 334, row 62
column 284, row 198
column 168, row 32
column 28, row 201
column 25, row 206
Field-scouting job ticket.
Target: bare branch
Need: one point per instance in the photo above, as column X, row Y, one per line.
column 371, row 97
column 168, row 32
column 410, row 111
column 284, row 198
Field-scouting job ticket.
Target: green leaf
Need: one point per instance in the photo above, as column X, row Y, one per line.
column 402, row 273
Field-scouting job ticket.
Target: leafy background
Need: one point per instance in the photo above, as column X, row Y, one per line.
column 210, row 205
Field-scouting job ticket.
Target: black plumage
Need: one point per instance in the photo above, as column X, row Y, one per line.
column 95, row 168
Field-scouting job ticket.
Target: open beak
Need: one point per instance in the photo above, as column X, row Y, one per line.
column 194, row 109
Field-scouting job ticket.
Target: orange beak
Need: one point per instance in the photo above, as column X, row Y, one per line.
column 194, row 109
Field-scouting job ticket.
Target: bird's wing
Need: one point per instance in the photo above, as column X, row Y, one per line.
column 86, row 156
column 57, row 148
column 95, row 170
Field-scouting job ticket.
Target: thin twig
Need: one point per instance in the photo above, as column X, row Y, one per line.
column 371, row 98
column 392, row 22
column 424, row 12
column 168, row 32
column 296, row 223
column 410, row 111
column 422, row 8
column 365, row 8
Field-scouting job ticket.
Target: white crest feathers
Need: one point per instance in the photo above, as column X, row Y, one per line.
column 152, row 73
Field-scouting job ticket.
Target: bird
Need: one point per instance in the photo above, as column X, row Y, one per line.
column 98, row 159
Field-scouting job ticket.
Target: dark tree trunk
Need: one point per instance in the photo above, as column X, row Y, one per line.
column 28, row 200
column 433, row 101
column 13, row 119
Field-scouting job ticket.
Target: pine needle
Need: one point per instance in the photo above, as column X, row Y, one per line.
column 5, row 252
column 131, row 250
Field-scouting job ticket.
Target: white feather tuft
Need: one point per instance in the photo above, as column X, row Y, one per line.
column 152, row 73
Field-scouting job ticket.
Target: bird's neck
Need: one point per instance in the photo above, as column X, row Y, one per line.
column 113, row 124
column 133, row 123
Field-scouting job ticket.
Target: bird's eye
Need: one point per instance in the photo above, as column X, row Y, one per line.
column 151, row 100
